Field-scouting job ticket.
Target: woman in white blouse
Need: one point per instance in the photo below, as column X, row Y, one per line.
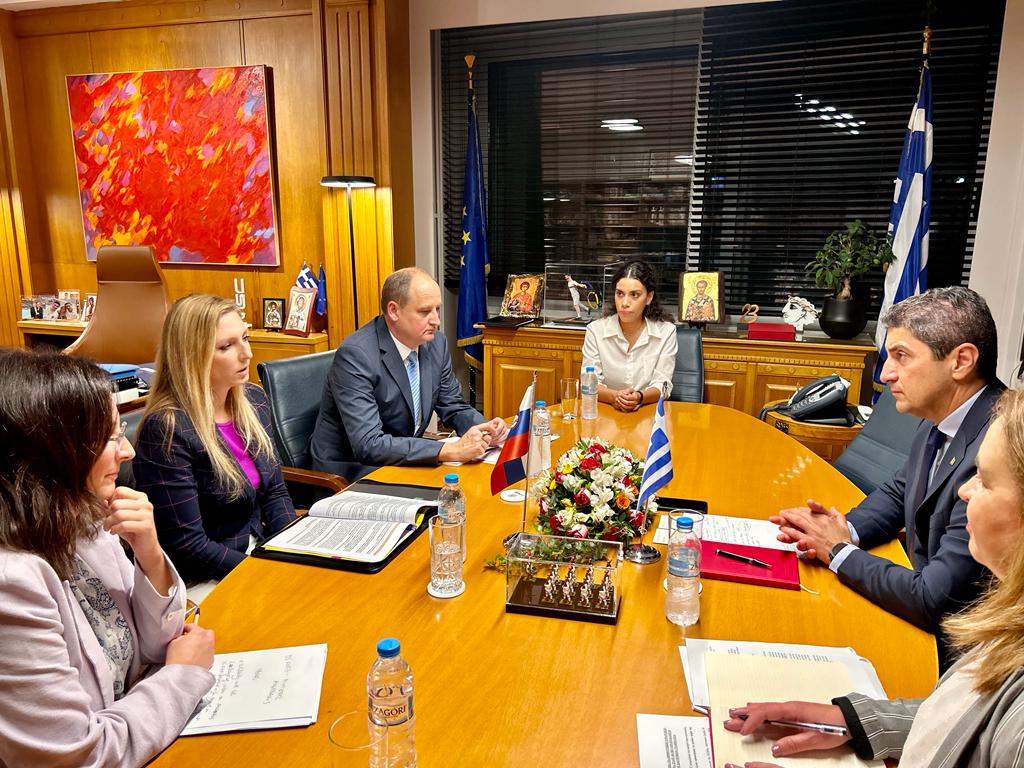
column 633, row 348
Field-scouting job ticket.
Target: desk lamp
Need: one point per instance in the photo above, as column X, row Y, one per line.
column 349, row 183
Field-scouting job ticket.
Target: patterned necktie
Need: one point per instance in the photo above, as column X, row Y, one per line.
column 931, row 448
column 412, row 367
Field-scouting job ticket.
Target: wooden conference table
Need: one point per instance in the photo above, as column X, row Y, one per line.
column 497, row 689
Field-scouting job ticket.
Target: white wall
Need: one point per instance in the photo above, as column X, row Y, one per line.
column 998, row 265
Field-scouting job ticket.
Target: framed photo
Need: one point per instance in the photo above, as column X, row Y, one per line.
column 523, row 295
column 700, row 297
column 89, row 307
column 300, row 311
column 273, row 314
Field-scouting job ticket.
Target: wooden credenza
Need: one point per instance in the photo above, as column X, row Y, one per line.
column 266, row 345
column 738, row 373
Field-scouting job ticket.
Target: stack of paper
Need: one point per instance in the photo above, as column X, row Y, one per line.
column 863, row 678
column 735, row 679
column 731, row 530
column 670, row 741
column 276, row 688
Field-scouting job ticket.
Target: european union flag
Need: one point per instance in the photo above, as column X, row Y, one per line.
column 321, row 293
column 475, row 263
column 909, row 216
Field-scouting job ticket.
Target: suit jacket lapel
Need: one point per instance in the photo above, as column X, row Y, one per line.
column 393, row 363
column 427, row 385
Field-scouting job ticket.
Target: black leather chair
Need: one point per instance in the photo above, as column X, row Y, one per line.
column 688, row 377
column 881, row 447
column 295, row 386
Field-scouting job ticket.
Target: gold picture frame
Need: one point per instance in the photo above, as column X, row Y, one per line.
column 700, row 297
column 523, row 296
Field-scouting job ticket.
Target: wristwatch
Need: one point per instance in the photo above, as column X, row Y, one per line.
column 836, row 549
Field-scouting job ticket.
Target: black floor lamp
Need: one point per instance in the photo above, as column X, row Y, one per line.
column 348, row 183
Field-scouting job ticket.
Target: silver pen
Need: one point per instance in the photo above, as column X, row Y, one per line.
column 827, row 728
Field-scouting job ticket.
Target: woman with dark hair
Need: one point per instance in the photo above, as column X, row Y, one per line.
column 205, row 456
column 975, row 715
column 80, row 626
column 632, row 348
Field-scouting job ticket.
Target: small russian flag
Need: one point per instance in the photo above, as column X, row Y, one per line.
column 511, row 467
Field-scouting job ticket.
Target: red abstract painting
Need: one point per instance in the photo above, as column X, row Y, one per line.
column 177, row 159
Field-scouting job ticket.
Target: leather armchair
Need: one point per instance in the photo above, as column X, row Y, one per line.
column 688, row 377
column 131, row 303
column 882, row 445
column 295, row 386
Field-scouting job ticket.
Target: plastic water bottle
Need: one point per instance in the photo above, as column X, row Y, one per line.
column 588, row 391
column 389, row 689
column 541, row 426
column 451, row 505
column 682, row 602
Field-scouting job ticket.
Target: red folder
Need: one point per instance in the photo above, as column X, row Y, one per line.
column 783, row 571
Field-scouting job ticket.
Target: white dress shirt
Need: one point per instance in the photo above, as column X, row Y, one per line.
column 649, row 363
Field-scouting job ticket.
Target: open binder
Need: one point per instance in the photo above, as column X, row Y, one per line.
column 273, row 549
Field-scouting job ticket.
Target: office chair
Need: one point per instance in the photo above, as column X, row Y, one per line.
column 881, row 447
column 688, row 376
column 131, row 303
column 295, row 386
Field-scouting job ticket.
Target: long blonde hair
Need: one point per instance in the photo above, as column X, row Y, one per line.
column 996, row 622
column 182, row 382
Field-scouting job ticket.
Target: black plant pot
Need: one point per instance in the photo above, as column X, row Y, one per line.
column 843, row 319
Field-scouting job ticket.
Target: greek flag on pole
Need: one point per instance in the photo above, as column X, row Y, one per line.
column 306, row 278
column 908, row 219
column 474, row 261
column 658, row 466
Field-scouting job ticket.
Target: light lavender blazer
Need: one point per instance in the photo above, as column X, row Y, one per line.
column 57, row 707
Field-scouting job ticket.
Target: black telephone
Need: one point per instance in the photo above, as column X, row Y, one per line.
column 823, row 401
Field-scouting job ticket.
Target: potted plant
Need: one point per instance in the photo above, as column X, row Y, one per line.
column 847, row 254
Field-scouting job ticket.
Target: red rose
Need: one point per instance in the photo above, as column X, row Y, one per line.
column 626, row 482
column 581, row 498
column 597, row 448
column 637, row 517
column 589, row 463
column 559, row 477
column 612, row 534
column 553, row 522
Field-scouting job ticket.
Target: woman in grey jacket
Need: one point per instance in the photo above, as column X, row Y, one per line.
column 975, row 715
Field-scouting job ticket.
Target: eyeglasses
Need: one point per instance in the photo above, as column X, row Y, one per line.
column 118, row 439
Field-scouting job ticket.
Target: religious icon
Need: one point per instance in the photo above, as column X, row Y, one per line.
column 273, row 319
column 700, row 297
column 300, row 311
column 522, row 296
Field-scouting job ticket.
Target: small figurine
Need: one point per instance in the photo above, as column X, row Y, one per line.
column 530, row 570
column 604, row 595
column 586, row 588
column 568, row 588
column 549, row 586
column 798, row 312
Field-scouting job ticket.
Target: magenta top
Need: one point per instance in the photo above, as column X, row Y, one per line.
column 234, row 441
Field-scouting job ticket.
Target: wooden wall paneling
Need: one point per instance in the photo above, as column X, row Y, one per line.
column 56, row 242
column 284, row 45
column 14, row 264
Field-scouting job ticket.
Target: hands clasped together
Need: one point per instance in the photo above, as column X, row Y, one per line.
column 628, row 399
column 475, row 442
column 814, row 529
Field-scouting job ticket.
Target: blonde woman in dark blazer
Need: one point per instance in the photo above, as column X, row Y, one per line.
column 975, row 716
column 204, row 453
column 97, row 667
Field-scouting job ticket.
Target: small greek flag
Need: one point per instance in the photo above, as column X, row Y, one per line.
column 658, row 467
column 909, row 216
column 306, row 278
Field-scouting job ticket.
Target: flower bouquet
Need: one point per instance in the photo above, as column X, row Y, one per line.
column 592, row 492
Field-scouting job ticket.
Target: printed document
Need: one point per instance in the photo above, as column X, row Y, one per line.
column 352, row 525
column 863, row 678
column 731, row 530
column 670, row 741
column 735, row 679
column 275, row 688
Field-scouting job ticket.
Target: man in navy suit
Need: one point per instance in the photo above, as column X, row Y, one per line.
column 386, row 380
column 941, row 366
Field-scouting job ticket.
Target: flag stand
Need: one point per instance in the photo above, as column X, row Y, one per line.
column 641, row 554
column 657, row 472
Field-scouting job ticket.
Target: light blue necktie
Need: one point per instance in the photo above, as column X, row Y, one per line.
column 412, row 367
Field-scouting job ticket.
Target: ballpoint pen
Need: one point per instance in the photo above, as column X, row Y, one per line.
column 742, row 558
column 827, row 728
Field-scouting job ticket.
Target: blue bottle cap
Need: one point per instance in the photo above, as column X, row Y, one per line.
column 451, row 478
column 388, row 647
column 684, row 523
column 589, row 369
column 540, row 404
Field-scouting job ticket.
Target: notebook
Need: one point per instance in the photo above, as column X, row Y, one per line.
column 783, row 570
